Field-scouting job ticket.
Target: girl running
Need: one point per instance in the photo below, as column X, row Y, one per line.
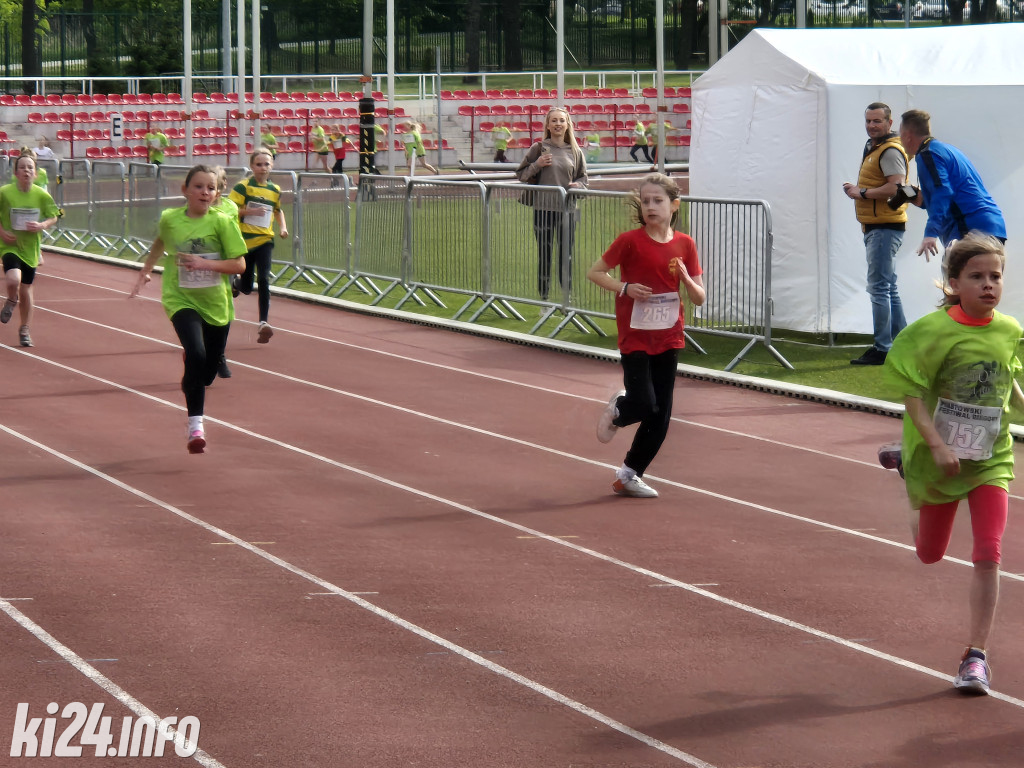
column 259, row 205
column 656, row 264
column 25, row 211
column 955, row 368
column 203, row 248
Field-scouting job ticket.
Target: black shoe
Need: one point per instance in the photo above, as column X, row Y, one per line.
column 222, row 368
column 871, row 357
column 234, row 292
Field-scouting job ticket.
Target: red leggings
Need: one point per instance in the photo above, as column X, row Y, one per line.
column 988, row 521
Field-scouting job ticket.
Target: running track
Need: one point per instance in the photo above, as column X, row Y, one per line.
column 401, row 550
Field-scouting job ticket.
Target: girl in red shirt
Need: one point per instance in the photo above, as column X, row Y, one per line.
column 656, row 264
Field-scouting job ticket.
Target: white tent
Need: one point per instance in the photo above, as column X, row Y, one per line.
column 781, row 118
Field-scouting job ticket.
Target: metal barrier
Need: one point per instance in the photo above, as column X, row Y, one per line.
column 502, row 245
column 321, row 231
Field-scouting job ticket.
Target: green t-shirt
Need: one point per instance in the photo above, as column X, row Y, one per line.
column 320, row 140
column 17, row 206
column 156, row 141
column 640, row 134
column 227, row 207
column 970, row 365
column 501, row 137
column 269, row 141
column 209, row 293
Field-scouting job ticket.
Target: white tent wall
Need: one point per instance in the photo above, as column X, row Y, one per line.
column 781, row 117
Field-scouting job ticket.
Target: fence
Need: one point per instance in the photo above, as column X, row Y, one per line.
column 495, row 247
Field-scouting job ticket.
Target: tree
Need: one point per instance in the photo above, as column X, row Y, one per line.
column 511, row 12
column 472, row 40
column 31, row 64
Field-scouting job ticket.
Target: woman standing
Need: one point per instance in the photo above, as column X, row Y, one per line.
column 555, row 161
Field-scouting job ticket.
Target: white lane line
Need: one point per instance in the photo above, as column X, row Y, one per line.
column 480, row 431
column 476, row 374
column 108, row 685
column 507, row 523
column 329, row 588
column 469, row 428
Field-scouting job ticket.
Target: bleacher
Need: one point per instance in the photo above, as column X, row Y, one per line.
column 82, row 121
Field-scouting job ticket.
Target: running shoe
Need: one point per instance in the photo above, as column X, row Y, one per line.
column 264, row 333
column 605, row 428
column 196, row 441
column 222, row 368
column 234, row 286
column 634, row 487
column 7, row 311
column 24, row 338
column 972, row 677
column 890, row 456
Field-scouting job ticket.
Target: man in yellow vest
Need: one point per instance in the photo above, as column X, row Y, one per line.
column 882, row 171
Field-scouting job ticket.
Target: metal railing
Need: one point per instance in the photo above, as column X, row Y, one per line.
column 495, row 247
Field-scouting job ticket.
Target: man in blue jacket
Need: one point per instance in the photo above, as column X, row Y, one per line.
column 951, row 190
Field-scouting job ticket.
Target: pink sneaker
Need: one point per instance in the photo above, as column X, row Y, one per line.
column 890, row 456
column 196, row 441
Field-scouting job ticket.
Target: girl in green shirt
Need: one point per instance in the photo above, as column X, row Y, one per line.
column 202, row 247
column 956, row 369
column 25, row 211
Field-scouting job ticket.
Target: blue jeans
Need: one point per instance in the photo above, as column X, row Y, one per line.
column 886, row 307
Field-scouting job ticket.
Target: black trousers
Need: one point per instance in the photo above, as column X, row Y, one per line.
column 547, row 228
column 650, row 382
column 258, row 258
column 204, row 345
column 647, row 154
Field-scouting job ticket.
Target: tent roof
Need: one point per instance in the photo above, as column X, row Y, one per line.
column 981, row 54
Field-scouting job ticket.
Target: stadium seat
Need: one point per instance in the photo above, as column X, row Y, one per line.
column 683, row 93
column 298, row 96
column 643, row 109
column 129, row 98
column 589, row 93
column 623, row 141
column 680, row 108
column 292, row 130
column 93, row 153
column 53, row 99
column 515, row 109
column 80, row 135
column 498, row 109
column 108, row 152
column 218, row 98
column 66, row 117
column 465, row 110
column 626, row 109
column 201, row 114
column 573, row 93
column 218, row 132
column 314, row 96
column 51, row 117
column 142, row 116
column 595, row 109
column 35, row 117
column 64, row 135
column 114, row 98
column 605, row 93
column 200, row 98
column 486, row 127
column 602, row 125
column 98, row 117
column 330, row 96
column 620, row 93
column 124, row 151
column 160, row 98
column 200, row 132
column 649, row 93
column 145, row 98
column 296, row 146
column 140, row 150
column 578, row 109
column 350, row 113
column 37, row 100
column 95, row 134
column 174, row 116
column 510, row 93
column 334, row 113
column 543, row 93
column 481, row 109
column 584, row 125
column 478, row 94
column 175, row 98
column 526, row 93
column 22, row 100
column 607, row 141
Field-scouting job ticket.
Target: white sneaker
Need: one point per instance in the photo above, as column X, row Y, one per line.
column 605, row 429
column 634, row 487
column 264, row 333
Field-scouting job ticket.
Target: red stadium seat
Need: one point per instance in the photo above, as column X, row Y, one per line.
column 114, row 98
column 510, row 93
column 296, row 146
column 140, row 150
column 478, row 94
column 129, row 98
column 53, row 99
column 683, row 93
column 515, row 109
column 626, row 109
column 200, row 98
column 23, row 100
column 481, row 109
column 93, row 153
column 350, row 113
column 573, row 93
column 38, row 100
column 643, row 109
column 201, row 114
column 607, row 141
column 680, row 108
column 589, row 93
column 98, row 117
column 605, row 93
column 124, row 151
column 314, row 96
column 35, row 117
column 334, row 113
column 160, row 98
column 51, row 117
column 175, row 98
column 298, row 96
column 145, row 98
column 498, row 109
column 64, row 135
column 649, row 93
column 218, row 98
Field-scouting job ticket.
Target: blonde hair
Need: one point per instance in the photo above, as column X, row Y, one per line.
column 667, row 184
column 261, row 151
column 26, row 152
column 959, row 252
column 222, row 178
column 570, row 136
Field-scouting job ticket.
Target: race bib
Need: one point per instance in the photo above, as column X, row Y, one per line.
column 657, row 313
column 970, row 431
column 22, row 216
column 261, row 219
column 198, row 278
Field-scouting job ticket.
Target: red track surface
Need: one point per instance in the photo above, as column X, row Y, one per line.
column 401, row 550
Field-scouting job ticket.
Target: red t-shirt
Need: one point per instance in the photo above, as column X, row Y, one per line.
column 643, row 260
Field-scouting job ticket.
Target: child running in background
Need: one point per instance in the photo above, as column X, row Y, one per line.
column 259, row 205
column 25, row 211
column 656, row 264
column 955, row 368
column 203, row 248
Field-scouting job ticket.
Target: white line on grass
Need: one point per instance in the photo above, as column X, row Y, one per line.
column 485, row 516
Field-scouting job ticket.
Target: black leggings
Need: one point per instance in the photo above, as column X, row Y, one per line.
column 258, row 257
column 338, row 162
column 650, row 381
column 204, row 345
column 647, row 154
column 547, row 225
